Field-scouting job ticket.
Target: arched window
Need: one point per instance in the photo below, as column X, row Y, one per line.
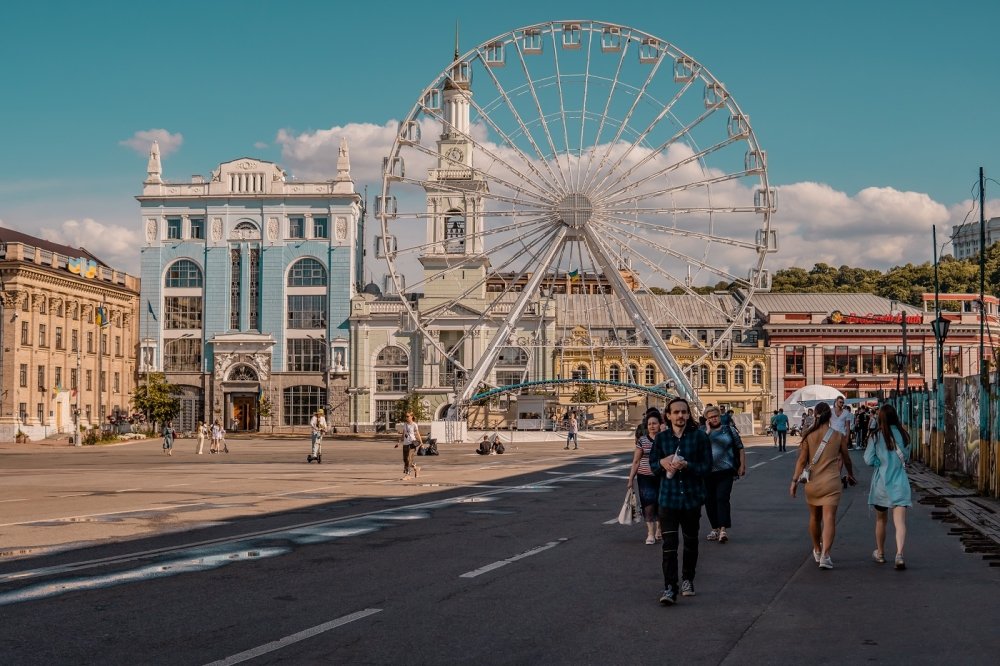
column 650, row 378
column 581, row 372
column 512, row 366
column 512, row 356
column 183, row 273
column 722, row 375
column 757, row 375
column 307, row 273
column 182, row 355
column 454, row 232
column 614, row 373
column 392, row 355
column 392, row 373
column 739, row 375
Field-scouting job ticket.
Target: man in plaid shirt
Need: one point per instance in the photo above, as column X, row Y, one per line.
column 682, row 493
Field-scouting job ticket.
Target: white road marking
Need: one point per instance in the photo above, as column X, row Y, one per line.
column 176, row 485
column 23, row 499
column 491, row 490
column 294, row 638
column 75, row 495
column 758, row 465
column 502, row 563
column 127, row 490
column 613, row 521
column 87, row 515
column 296, row 492
column 780, row 455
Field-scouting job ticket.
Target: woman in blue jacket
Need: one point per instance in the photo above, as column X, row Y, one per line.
column 682, row 456
column 890, row 486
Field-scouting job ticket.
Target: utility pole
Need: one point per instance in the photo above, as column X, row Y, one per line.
column 982, row 273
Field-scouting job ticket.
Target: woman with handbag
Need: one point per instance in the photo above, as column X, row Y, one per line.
column 821, row 453
column 890, row 485
column 729, row 462
column 649, row 485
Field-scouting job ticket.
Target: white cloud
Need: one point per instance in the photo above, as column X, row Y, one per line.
column 116, row 245
column 261, row 145
column 141, row 141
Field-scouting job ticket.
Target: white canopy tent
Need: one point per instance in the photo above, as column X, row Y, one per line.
column 815, row 393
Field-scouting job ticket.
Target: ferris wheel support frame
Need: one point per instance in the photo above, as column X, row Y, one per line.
column 657, row 347
column 489, row 357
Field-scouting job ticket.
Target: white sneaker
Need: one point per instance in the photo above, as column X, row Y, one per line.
column 713, row 535
column 825, row 562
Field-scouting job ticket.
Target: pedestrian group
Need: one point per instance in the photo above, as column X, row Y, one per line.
column 678, row 466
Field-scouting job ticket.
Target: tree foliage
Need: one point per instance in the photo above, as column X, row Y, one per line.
column 905, row 283
column 411, row 403
column 589, row 393
column 156, row 398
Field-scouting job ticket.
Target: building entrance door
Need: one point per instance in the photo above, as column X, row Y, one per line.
column 243, row 413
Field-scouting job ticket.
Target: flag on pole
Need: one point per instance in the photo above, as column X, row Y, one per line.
column 260, row 393
column 102, row 316
column 149, row 307
column 574, row 274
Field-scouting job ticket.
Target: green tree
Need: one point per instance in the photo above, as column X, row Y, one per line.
column 411, row 403
column 589, row 393
column 157, row 399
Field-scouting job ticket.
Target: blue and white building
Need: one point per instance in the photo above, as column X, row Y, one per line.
column 247, row 279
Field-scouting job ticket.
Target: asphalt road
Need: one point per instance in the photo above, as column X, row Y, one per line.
column 501, row 560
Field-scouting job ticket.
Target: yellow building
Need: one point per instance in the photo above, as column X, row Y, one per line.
column 52, row 300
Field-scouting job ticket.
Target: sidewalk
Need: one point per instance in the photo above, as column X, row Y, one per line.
column 976, row 519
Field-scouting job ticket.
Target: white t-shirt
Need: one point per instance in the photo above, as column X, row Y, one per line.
column 842, row 423
column 409, row 433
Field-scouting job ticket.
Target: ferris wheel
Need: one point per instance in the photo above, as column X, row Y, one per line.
column 573, row 157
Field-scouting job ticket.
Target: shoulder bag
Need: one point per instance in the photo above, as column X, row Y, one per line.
column 804, row 476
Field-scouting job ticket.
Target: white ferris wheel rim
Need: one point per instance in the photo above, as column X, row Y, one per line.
column 538, row 187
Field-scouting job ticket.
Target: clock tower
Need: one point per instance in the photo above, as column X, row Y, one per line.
column 455, row 203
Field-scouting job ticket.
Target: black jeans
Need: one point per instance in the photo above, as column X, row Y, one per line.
column 782, row 439
column 719, row 487
column 686, row 520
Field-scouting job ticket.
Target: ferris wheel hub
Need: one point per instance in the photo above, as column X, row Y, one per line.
column 575, row 210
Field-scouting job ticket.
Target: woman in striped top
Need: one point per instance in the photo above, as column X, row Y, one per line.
column 649, row 484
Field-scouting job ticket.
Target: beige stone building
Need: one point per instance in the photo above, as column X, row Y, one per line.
column 52, row 298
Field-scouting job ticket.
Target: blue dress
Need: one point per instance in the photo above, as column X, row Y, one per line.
column 890, row 485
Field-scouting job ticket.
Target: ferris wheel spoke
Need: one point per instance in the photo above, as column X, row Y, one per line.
column 562, row 110
column 490, row 311
column 541, row 114
column 628, row 115
column 694, row 158
column 481, row 147
column 520, row 121
column 505, row 329
column 707, row 182
column 486, row 194
column 612, row 170
column 473, row 259
column 607, row 108
column 528, row 161
column 659, row 150
column 674, row 253
column 583, row 113
column 685, row 233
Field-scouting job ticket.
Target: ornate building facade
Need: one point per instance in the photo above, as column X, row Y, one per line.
column 54, row 301
column 247, row 279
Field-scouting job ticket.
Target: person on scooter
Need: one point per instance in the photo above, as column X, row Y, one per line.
column 317, row 425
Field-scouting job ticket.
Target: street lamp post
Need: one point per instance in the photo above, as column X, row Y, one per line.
column 900, row 360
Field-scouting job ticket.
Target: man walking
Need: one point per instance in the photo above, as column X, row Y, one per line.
column 317, row 424
column 571, row 432
column 841, row 420
column 780, row 421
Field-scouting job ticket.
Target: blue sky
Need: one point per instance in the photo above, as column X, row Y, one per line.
column 876, row 115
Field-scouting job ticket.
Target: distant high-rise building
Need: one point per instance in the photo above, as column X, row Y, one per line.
column 965, row 237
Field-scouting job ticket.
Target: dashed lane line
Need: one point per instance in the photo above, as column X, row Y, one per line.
column 294, row 638
column 520, row 556
column 758, row 465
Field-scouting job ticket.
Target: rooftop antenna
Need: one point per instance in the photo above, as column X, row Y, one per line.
column 456, row 39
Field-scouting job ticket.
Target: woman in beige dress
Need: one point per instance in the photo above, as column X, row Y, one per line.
column 824, row 487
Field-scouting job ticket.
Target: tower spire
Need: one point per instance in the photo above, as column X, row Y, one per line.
column 153, row 169
column 343, row 183
column 456, row 41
